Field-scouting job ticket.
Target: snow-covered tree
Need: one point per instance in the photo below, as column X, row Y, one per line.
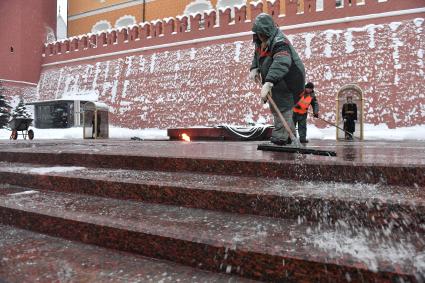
column 4, row 108
column 20, row 110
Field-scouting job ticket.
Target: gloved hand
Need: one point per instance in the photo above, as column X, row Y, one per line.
column 316, row 115
column 254, row 75
column 265, row 90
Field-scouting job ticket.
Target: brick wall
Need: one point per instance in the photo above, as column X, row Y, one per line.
column 207, row 85
column 203, row 79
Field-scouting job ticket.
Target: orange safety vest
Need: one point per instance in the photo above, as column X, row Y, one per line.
column 263, row 53
column 302, row 106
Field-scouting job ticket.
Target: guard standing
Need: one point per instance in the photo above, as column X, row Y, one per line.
column 349, row 114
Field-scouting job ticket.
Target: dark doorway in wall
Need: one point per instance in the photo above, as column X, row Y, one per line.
column 11, row 49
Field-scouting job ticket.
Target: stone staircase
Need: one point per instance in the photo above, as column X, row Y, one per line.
column 217, row 219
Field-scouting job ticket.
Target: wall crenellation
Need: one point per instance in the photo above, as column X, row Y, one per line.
column 207, row 83
column 196, row 67
column 210, row 24
column 185, row 63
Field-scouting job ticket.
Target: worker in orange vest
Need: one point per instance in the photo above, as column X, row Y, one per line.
column 306, row 98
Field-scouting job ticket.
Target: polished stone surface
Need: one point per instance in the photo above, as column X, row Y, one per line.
column 226, row 207
column 395, row 163
column 31, row 257
column 253, row 246
column 403, row 153
column 328, row 202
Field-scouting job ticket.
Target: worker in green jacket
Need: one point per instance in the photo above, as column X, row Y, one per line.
column 279, row 68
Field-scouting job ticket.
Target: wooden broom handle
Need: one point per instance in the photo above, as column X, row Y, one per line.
column 282, row 119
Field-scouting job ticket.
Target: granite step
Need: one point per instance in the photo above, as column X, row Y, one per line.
column 256, row 247
column 370, row 205
column 32, row 257
column 240, row 159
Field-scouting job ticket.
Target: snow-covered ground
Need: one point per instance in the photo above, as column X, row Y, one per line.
column 371, row 132
column 77, row 133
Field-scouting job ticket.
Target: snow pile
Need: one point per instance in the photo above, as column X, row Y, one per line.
column 30, row 192
column 122, row 133
column 371, row 132
column 89, row 95
column 77, row 133
column 55, row 169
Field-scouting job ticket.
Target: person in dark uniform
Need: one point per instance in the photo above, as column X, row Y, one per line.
column 97, row 124
column 349, row 114
column 305, row 99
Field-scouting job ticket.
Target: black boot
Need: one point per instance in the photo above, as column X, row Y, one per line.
column 303, row 140
column 277, row 141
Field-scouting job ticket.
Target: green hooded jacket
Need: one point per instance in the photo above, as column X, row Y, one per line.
column 279, row 63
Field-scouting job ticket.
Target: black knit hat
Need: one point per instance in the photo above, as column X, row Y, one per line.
column 309, row 85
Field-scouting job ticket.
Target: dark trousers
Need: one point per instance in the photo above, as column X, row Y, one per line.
column 350, row 127
column 301, row 121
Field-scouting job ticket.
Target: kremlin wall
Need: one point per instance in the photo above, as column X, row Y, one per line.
column 193, row 71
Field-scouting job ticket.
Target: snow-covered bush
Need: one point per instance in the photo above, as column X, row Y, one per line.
column 20, row 110
column 4, row 108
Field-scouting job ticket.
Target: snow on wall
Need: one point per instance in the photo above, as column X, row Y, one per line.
column 207, row 84
column 13, row 92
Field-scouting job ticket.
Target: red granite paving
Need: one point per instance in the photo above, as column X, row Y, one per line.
column 31, row 257
column 253, row 246
column 371, row 162
column 363, row 204
column 236, row 184
column 400, row 153
column 356, row 217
